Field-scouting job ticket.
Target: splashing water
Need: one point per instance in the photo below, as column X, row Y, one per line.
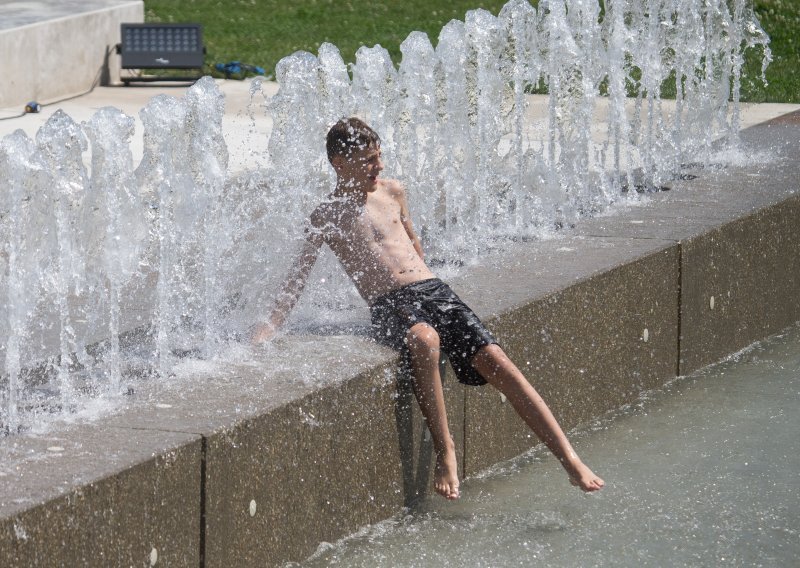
column 454, row 118
column 178, row 255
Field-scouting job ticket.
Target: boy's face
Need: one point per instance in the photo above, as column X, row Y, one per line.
column 360, row 169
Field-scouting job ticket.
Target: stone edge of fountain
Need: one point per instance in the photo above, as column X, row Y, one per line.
column 625, row 306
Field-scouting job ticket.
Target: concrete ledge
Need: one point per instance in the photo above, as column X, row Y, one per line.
column 101, row 496
column 588, row 347
column 271, row 457
column 315, row 469
column 739, row 233
column 59, row 57
column 739, row 284
column 312, row 451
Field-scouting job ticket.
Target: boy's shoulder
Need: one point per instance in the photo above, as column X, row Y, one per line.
column 323, row 213
column 393, row 188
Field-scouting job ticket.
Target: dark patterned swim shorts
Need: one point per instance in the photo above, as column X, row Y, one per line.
column 461, row 332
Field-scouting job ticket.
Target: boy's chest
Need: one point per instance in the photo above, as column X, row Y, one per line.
column 374, row 223
column 380, row 221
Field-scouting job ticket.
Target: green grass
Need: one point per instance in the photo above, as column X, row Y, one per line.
column 261, row 32
column 781, row 20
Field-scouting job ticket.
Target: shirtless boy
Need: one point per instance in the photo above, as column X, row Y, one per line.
column 365, row 221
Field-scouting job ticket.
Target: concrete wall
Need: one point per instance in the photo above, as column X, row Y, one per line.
column 101, row 496
column 57, row 58
column 253, row 465
column 739, row 283
column 588, row 347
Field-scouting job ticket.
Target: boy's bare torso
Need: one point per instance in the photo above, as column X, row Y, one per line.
column 366, row 223
column 372, row 236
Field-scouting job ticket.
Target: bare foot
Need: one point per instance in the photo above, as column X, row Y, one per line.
column 261, row 333
column 445, row 477
column 583, row 477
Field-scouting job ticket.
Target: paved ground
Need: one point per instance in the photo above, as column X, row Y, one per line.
column 246, row 125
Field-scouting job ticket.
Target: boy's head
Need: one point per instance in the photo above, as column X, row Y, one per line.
column 350, row 135
column 354, row 151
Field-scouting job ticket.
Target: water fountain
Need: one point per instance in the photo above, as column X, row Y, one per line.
column 164, row 251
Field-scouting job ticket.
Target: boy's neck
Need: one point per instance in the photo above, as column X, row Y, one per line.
column 349, row 192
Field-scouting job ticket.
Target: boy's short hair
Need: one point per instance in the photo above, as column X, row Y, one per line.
column 349, row 134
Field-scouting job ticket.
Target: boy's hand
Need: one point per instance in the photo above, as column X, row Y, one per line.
column 261, row 333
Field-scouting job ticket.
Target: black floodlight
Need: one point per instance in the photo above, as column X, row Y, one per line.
column 161, row 46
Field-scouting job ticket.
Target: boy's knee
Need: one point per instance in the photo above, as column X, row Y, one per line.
column 422, row 337
column 489, row 358
column 492, row 351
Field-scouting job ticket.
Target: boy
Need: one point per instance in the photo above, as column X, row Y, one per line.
column 365, row 221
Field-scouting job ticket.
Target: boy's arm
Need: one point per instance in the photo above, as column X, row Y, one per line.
column 291, row 290
column 399, row 193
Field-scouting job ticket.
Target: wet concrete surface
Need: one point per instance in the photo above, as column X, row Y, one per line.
column 96, row 495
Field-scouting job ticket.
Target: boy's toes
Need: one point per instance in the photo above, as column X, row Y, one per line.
column 447, row 490
column 445, row 479
column 588, row 484
column 453, row 494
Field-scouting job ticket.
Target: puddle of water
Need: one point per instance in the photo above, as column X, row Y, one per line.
column 700, row 473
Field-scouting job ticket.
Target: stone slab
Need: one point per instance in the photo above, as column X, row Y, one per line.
column 45, row 67
column 749, row 265
column 315, row 470
column 576, row 331
column 318, row 432
column 739, row 283
column 277, row 484
column 96, row 495
column 15, row 13
column 696, row 207
column 763, row 172
column 738, row 229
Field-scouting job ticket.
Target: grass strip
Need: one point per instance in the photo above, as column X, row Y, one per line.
column 261, row 32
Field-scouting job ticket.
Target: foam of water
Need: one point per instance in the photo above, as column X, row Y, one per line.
column 177, row 256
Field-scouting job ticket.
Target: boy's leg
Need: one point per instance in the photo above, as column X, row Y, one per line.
column 495, row 366
column 423, row 347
